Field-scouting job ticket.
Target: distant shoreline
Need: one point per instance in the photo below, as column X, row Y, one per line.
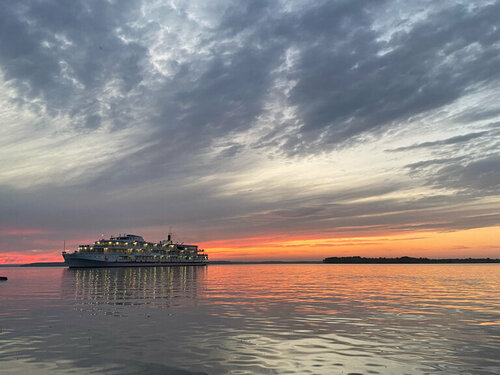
column 405, row 260
column 37, row 264
column 329, row 260
column 217, row 262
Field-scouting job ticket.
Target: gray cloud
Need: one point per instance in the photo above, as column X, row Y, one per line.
column 67, row 53
column 432, row 162
column 341, row 95
column 480, row 177
column 345, row 85
column 443, row 142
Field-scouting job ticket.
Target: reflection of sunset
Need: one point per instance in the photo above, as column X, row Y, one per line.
column 249, row 318
column 481, row 242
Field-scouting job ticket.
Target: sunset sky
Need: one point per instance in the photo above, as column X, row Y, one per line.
column 257, row 129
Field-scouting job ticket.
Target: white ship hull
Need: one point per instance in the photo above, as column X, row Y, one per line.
column 79, row 260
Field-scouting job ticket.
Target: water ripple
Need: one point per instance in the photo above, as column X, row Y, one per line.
column 252, row 319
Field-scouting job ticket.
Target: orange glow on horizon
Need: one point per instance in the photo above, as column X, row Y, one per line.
column 21, row 258
column 475, row 243
column 478, row 243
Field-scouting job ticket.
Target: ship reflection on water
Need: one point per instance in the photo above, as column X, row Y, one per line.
column 131, row 286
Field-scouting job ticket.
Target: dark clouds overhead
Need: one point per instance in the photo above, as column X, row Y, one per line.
column 354, row 82
column 67, row 53
column 346, row 78
column 210, row 103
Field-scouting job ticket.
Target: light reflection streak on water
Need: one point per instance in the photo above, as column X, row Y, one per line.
column 253, row 319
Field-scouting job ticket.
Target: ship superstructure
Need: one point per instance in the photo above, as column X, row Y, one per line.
column 132, row 250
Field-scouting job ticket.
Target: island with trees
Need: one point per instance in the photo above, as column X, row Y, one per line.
column 404, row 260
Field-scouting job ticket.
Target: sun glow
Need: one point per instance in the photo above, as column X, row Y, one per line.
column 475, row 243
column 479, row 242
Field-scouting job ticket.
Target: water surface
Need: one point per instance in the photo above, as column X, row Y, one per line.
column 252, row 319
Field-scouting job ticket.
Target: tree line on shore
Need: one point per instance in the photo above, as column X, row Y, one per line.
column 406, row 260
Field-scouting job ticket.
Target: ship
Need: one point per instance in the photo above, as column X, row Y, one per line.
column 130, row 250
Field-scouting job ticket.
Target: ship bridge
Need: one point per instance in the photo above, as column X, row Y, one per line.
column 128, row 238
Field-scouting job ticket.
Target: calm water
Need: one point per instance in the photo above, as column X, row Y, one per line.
column 252, row 319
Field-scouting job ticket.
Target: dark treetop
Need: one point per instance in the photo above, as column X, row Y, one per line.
column 405, row 259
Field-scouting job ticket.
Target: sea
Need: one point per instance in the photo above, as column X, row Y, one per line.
column 252, row 319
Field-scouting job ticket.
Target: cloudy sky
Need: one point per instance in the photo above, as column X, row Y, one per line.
column 257, row 129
